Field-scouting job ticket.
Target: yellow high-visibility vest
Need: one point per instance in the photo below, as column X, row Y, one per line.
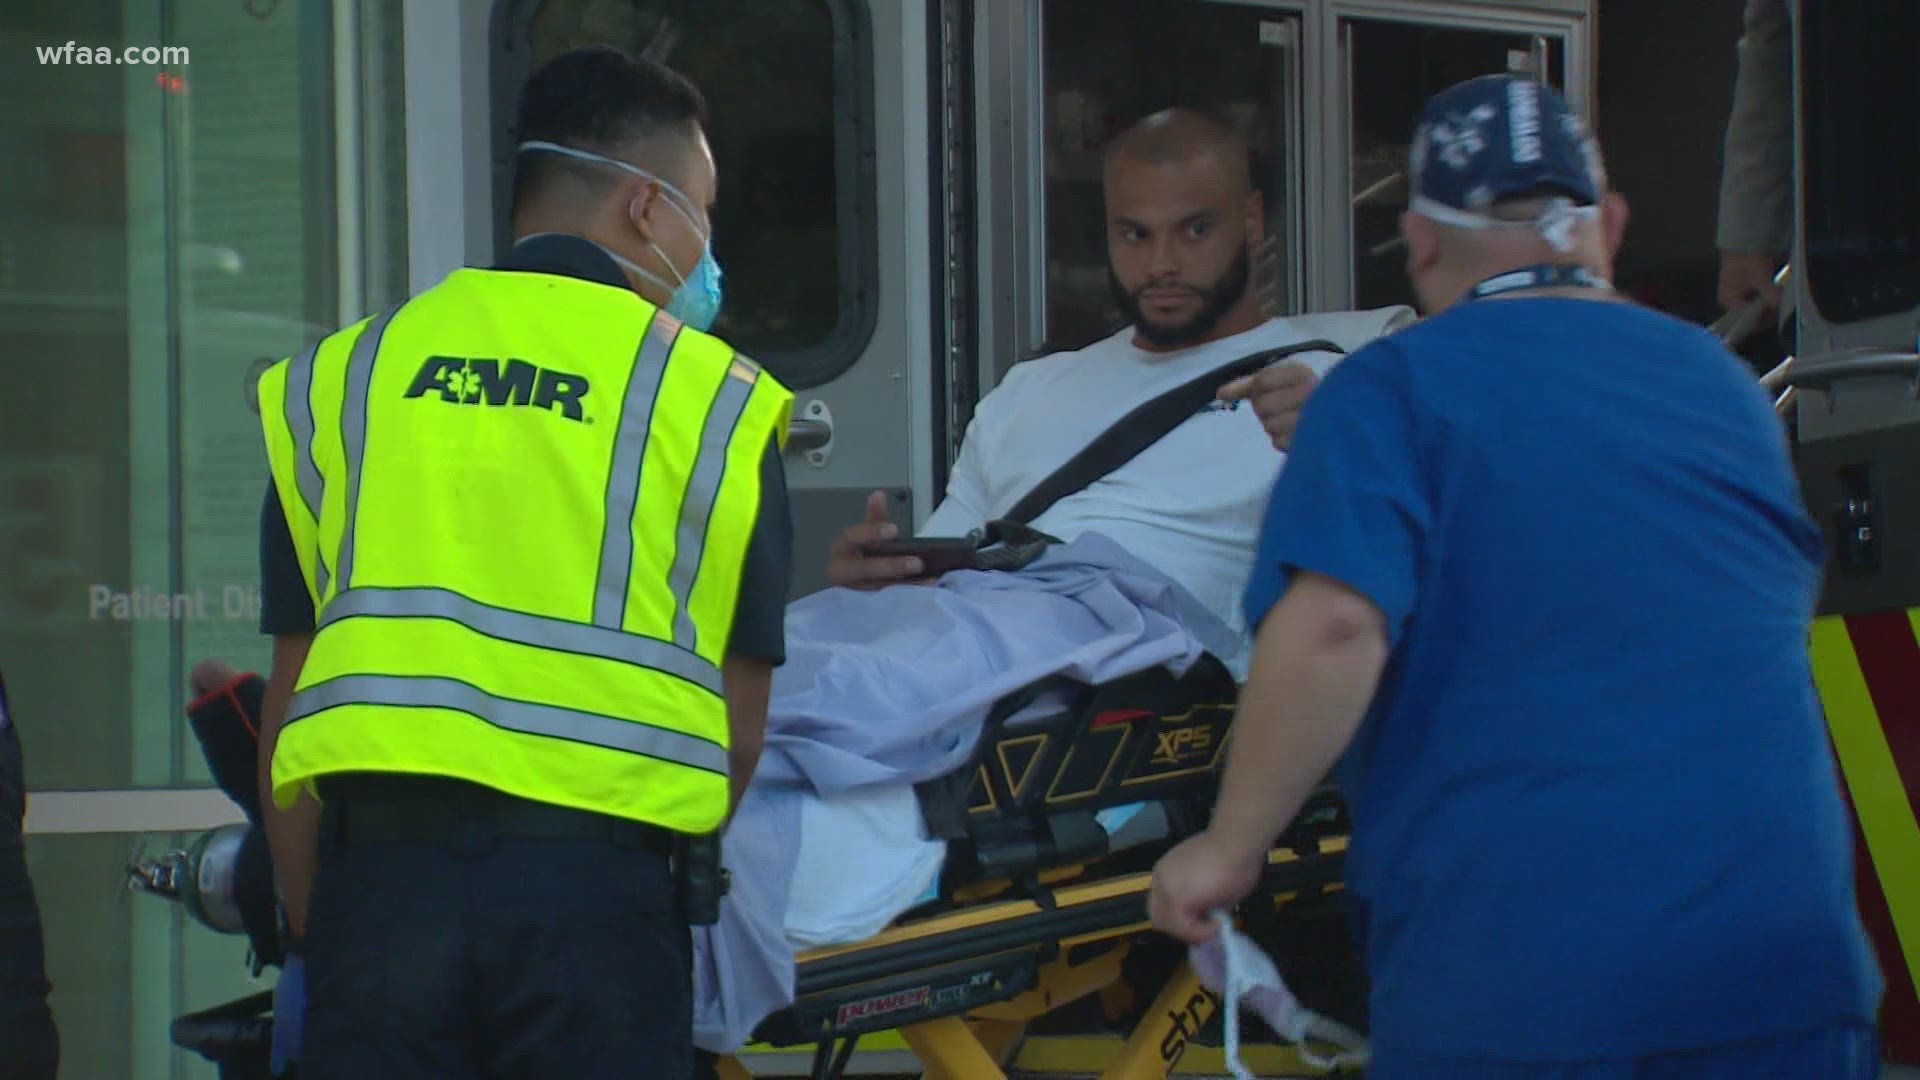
column 522, row 504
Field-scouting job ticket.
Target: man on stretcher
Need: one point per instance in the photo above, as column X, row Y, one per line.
column 888, row 687
column 1183, row 223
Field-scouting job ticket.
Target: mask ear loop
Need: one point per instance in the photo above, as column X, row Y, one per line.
column 1555, row 223
column 672, row 194
column 1230, row 997
column 679, row 279
column 1354, row 1049
column 673, row 198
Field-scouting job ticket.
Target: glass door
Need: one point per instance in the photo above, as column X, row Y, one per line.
column 188, row 198
column 1391, row 68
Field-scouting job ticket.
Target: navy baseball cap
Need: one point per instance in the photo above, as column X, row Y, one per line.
column 1503, row 137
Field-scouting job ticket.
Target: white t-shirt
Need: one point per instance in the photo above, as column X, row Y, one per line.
column 1191, row 504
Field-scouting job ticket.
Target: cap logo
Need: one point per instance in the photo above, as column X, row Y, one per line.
column 1589, row 149
column 1459, row 136
column 1523, row 111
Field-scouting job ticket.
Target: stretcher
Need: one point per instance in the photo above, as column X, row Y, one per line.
column 1037, row 957
column 1035, row 950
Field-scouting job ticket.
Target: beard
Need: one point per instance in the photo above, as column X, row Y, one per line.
column 1216, row 299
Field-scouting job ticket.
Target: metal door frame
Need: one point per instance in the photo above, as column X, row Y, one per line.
column 1009, row 125
column 1336, row 262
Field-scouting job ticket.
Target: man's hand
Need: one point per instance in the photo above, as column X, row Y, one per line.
column 847, row 566
column 1746, row 276
column 1208, row 871
column 1278, row 393
column 210, row 675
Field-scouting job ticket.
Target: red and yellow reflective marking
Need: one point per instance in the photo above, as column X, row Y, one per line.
column 1867, row 668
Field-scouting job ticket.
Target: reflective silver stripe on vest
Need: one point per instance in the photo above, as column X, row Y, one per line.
column 353, row 429
column 702, row 490
column 298, row 409
column 623, row 481
column 524, row 629
column 521, row 716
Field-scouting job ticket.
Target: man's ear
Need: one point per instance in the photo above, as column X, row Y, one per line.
column 1613, row 221
column 1423, row 242
column 644, row 204
column 1256, row 225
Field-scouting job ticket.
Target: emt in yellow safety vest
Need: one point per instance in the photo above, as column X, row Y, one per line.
column 540, row 516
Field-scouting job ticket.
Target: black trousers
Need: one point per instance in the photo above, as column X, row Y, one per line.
column 454, row 932
column 29, row 1043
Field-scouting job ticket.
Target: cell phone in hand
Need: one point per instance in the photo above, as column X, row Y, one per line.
column 937, row 555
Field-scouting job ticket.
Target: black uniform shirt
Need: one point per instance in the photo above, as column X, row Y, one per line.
column 759, row 621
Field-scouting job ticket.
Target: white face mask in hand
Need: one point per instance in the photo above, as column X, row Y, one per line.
column 1232, row 966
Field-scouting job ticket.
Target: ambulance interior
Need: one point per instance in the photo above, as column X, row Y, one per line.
column 910, row 204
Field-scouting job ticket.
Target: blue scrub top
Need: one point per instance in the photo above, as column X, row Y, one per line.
column 1595, row 811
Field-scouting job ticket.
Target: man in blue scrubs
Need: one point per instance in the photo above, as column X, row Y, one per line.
column 1539, row 569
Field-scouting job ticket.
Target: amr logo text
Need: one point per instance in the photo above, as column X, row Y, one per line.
column 480, row 381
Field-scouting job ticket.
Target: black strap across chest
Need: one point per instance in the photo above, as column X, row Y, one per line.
column 1145, row 425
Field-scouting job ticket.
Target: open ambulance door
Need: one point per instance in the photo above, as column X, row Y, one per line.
column 1857, row 381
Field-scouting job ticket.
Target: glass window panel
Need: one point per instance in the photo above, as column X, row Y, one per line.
column 166, row 230
column 1397, row 66
column 124, row 965
column 1110, row 62
column 1862, row 140
column 797, row 291
column 66, row 204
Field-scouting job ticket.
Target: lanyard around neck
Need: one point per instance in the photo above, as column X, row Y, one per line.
column 1544, row 276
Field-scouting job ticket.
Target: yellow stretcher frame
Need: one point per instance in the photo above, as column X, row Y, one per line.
column 983, row 1042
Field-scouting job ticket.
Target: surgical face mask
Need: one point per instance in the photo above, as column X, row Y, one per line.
column 697, row 295
column 1232, row 966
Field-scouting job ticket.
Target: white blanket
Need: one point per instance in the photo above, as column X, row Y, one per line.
column 883, row 690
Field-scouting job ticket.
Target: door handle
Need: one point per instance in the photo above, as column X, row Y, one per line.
column 810, row 432
column 1821, row 372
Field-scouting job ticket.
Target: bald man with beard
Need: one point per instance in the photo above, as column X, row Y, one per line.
column 1183, row 223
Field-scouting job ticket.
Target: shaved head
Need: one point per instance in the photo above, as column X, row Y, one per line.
column 1183, row 221
column 1182, row 136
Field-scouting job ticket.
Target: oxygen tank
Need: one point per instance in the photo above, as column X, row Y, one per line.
column 203, row 877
